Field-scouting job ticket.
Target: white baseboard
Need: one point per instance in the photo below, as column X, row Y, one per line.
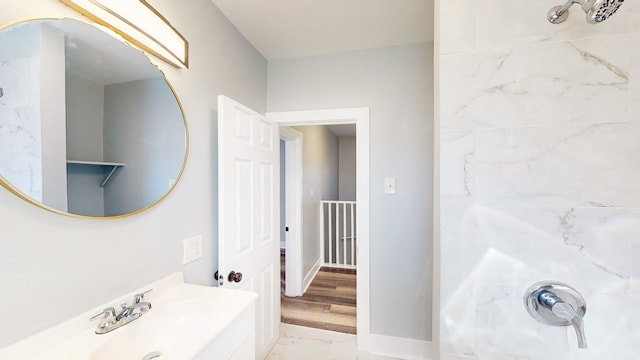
column 308, row 278
column 400, row 348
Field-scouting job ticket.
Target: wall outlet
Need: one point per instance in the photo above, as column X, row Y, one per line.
column 191, row 249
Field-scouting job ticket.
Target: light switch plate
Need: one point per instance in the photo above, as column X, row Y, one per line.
column 390, row 186
column 191, row 249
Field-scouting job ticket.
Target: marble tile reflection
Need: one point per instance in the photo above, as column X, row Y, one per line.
column 493, row 254
column 520, row 245
column 23, row 170
column 634, row 229
column 506, row 330
column 20, row 81
column 20, row 128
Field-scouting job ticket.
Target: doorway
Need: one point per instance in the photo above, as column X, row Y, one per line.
column 328, row 297
column 359, row 117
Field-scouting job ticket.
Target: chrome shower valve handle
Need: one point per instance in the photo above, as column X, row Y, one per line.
column 557, row 304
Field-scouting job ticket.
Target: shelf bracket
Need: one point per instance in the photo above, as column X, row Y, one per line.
column 113, row 171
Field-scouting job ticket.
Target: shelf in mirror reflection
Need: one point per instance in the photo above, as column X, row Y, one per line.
column 114, row 168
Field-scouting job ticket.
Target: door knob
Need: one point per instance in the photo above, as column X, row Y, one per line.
column 235, row 277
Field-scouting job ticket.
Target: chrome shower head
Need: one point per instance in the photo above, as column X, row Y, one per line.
column 597, row 10
column 600, row 10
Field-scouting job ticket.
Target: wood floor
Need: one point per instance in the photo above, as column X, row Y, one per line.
column 329, row 303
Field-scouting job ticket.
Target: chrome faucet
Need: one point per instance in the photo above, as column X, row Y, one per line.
column 111, row 321
column 566, row 312
column 557, row 304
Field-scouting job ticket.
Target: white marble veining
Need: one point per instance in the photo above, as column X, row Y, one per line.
column 298, row 342
column 539, row 178
column 20, row 125
column 457, row 153
column 566, row 166
column 584, row 81
column 513, row 166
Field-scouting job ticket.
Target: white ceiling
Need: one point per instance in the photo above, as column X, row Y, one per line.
column 343, row 130
column 293, row 28
column 94, row 55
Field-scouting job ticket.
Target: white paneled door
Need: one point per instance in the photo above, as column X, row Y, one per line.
column 248, row 214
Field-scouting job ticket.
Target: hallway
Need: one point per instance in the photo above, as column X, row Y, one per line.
column 329, row 303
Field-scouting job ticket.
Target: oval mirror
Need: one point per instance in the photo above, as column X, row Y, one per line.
column 88, row 125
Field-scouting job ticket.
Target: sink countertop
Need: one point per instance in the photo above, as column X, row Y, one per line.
column 75, row 338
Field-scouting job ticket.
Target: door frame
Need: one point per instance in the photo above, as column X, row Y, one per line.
column 360, row 117
column 293, row 142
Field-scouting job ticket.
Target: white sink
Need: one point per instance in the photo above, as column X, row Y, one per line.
column 185, row 322
column 160, row 333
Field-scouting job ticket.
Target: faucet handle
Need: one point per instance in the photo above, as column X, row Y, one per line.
column 108, row 314
column 137, row 298
column 558, row 304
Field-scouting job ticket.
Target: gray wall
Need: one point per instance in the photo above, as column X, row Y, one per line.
column 85, row 103
column 347, row 168
column 320, row 182
column 53, row 115
column 49, row 261
column 397, row 84
column 150, row 164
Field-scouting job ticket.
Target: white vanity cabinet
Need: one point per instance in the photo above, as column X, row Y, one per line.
column 237, row 341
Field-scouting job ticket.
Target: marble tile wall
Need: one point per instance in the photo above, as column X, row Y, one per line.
column 20, row 133
column 540, row 174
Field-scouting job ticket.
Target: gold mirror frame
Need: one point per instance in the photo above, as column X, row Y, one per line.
column 14, row 190
column 131, row 26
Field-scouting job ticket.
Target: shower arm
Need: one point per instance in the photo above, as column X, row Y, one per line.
column 558, row 14
column 567, row 5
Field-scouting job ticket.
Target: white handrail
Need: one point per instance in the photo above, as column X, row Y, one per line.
column 337, row 233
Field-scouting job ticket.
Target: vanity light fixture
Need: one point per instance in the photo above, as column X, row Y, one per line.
column 139, row 23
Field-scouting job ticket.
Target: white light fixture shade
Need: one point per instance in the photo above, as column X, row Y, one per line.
column 139, row 23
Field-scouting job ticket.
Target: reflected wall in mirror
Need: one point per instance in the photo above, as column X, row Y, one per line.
column 88, row 126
